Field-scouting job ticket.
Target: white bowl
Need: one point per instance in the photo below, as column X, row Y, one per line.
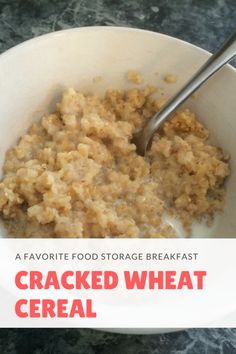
column 34, row 74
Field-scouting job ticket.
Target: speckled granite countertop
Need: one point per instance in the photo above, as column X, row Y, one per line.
column 203, row 22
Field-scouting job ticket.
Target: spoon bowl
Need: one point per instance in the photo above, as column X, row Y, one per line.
column 227, row 52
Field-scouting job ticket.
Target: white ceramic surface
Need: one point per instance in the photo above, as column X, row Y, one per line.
column 34, row 74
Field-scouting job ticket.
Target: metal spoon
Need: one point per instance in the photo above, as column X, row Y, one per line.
column 226, row 53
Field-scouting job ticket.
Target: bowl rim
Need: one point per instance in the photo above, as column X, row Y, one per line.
column 38, row 39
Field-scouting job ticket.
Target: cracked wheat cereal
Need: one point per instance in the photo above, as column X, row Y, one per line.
column 75, row 173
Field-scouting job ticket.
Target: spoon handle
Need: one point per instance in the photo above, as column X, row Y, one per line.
column 213, row 64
